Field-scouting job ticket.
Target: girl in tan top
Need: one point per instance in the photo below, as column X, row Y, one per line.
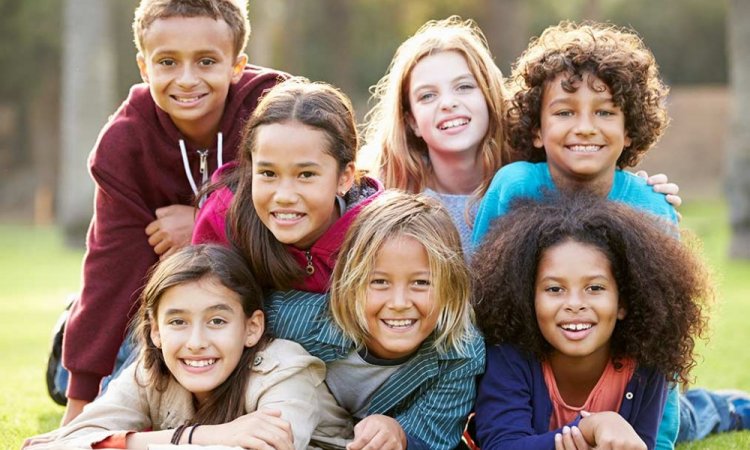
column 207, row 373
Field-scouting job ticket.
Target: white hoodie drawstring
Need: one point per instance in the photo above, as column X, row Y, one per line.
column 203, row 165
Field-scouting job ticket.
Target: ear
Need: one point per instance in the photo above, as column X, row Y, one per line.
column 142, row 67
column 621, row 313
column 538, row 143
column 155, row 336
column 239, row 65
column 254, row 327
column 346, row 178
column 628, row 141
column 413, row 124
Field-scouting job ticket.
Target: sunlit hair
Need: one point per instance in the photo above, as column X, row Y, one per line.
column 616, row 56
column 403, row 159
column 661, row 281
column 393, row 215
column 233, row 12
column 316, row 105
column 205, row 263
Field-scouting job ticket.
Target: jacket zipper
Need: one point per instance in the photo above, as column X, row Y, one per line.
column 310, row 269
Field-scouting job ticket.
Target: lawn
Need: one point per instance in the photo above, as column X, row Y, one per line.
column 37, row 273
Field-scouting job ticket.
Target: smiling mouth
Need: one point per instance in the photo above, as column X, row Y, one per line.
column 584, row 148
column 448, row 124
column 399, row 323
column 287, row 216
column 200, row 363
column 576, row 326
column 185, row 99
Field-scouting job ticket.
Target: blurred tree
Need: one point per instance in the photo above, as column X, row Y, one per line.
column 88, row 98
column 738, row 151
column 29, row 88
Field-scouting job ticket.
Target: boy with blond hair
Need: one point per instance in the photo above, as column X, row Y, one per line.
column 150, row 160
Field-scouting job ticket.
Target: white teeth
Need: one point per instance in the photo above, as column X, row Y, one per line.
column 399, row 323
column 187, row 99
column 453, row 123
column 287, row 216
column 199, row 363
column 584, row 148
column 576, row 326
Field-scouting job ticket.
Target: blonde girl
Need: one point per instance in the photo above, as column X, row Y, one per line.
column 397, row 337
column 207, row 372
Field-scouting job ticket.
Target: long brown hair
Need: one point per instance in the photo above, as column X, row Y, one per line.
column 316, row 105
column 193, row 263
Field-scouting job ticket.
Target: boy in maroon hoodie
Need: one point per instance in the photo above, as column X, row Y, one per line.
column 150, row 159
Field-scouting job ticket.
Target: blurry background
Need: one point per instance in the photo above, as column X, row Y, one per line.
column 68, row 63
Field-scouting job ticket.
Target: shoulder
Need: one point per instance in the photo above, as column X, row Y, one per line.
column 120, row 140
column 520, row 179
column 473, row 355
column 634, row 191
column 255, row 80
column 282, row 354
column 507, row 357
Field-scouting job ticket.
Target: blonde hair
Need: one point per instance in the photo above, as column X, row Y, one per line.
column 402, row 156
column 397, row 214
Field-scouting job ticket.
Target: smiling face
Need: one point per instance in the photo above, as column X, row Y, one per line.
column 400, row 310
column 576, row 301
column 582, row 133
column 295, row 181
column 447, row 107
column 202, row 331
column 189, row 74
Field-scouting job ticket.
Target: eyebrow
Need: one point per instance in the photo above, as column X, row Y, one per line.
column 467, row 76
column 217, row 307
column 302, row 164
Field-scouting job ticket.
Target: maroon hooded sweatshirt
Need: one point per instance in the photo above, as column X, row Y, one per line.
column 138, row 166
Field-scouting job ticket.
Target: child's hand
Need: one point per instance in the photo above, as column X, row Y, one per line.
column 609, row 431
column 171, row 230
column 571, row 438
column 378, row 432
column 661, row 184
column 261, row 430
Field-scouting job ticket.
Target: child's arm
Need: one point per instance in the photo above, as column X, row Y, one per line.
column 210, row 222
column 608, row 430
column 172, row 229
column 260, row 429
column 436, row 419
column 513, row 406
column 381, row 432
column 123, row 407
column 660, row 183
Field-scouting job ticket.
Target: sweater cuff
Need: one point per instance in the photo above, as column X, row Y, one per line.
column 83, row 386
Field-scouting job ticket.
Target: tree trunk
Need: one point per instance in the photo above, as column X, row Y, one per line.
column 738, row 151
column 506, row 28
column 88, row 98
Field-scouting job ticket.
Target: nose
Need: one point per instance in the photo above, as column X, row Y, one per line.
column 585, row 125
column 400, row 299
column 197, row 339
column 286, row 192
column 187, row 77
column 448, row 102
column 575, row 303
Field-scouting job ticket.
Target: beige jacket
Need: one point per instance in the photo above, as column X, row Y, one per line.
column 284, row 377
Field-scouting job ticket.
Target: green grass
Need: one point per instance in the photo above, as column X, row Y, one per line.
column 37, row 273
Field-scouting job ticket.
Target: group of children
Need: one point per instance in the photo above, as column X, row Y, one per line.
column 318, row 307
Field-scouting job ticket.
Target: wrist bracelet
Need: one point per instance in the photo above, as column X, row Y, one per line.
column 190, row 436
column 177, row 434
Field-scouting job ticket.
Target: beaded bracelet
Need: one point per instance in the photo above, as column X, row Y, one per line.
column 190, row 436
column 177, row 435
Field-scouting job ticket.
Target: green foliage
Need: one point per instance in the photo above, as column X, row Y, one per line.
column 29, row 44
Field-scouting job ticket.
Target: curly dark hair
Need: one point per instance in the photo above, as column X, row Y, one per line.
column 662, row 283
column 617, row 56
